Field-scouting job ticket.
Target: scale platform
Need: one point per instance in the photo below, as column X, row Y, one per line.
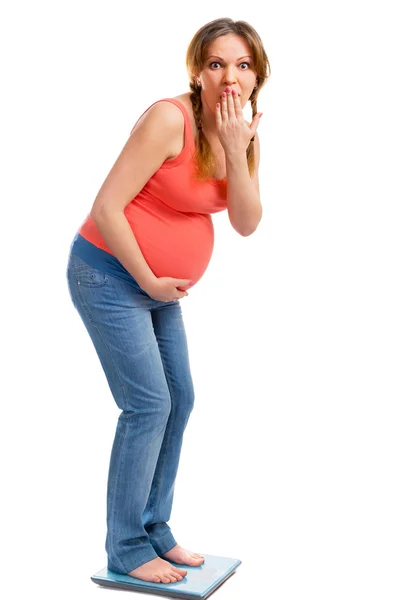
column 199, row 582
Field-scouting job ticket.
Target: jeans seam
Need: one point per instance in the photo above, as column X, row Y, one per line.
column 105, row 344
column 113, row 504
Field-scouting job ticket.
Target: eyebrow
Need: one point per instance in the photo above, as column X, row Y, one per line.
column 215, row 56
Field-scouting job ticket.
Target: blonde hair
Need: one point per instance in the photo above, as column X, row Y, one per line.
column 195, row 60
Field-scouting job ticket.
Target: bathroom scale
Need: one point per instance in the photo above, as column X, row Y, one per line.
column 199, row 582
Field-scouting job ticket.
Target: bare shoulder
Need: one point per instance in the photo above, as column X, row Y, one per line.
column 184, row 99
column 162, row 112
column 164, row 122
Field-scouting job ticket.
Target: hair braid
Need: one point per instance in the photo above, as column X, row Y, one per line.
column 250, row 147
column 204, row 158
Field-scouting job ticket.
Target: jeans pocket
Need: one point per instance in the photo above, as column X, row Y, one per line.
column 86, row 275
column 91, row 277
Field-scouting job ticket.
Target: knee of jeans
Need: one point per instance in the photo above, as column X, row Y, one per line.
column 190, row 400
column 157, row 411
column 183, row 399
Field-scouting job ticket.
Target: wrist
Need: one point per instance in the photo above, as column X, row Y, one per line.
column 236, row 155
column 146, row 282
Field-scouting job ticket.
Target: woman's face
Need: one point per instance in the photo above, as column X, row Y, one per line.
column 228, row 62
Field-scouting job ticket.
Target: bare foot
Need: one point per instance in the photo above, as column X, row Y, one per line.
column 158, row 571
column 184, row 557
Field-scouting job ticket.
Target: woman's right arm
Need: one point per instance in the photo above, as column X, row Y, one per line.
column 150, row 143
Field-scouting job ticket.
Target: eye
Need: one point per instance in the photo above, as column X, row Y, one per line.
column 218, row 63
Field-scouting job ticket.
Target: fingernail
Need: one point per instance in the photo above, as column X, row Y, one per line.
column 261, row 114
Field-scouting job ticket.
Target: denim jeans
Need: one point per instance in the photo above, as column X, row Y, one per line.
column 142, row 347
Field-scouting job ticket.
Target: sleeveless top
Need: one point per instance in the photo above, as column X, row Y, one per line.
column 170, row 218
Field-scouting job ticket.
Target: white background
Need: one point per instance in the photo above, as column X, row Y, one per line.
column 290, row 459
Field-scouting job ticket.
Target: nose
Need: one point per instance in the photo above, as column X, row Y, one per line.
column 229, row 77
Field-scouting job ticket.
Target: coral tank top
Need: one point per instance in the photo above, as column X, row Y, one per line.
column 170, row 216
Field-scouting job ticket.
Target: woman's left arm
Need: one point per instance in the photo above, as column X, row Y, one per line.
column 243, row 191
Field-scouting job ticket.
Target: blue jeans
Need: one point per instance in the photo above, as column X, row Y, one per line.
column 142, row 347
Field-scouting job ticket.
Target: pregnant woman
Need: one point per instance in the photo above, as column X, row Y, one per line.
column 149, row 238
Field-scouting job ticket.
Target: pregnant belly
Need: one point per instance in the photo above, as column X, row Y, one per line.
column 174, row 244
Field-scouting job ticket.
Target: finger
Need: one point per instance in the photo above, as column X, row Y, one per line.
column 218, row 116
column 224, row 107
column 237, row 105
column 255, row 122
column 231, row 107
column 184, row 282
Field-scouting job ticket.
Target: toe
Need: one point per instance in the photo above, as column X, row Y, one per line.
column 180, row 571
